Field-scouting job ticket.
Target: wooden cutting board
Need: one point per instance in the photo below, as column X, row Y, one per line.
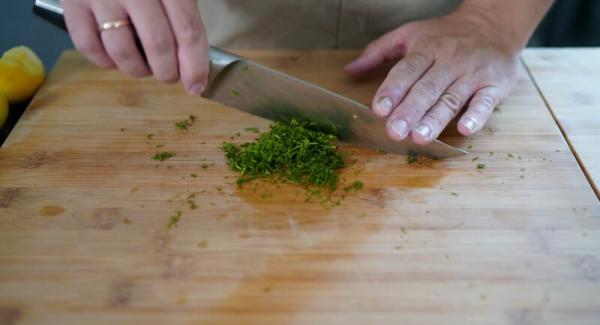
column 84, row 209
column 574, row 99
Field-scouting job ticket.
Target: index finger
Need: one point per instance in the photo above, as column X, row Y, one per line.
column 192, row 44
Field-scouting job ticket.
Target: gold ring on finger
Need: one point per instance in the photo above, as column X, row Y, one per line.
column 115, row 24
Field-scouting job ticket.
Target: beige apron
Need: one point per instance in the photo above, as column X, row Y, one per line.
column 310, row 23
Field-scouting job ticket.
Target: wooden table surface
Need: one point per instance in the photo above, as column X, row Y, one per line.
column 84, row 209
column 569, row 80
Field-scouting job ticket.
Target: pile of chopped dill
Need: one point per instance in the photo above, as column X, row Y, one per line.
column 289, row 152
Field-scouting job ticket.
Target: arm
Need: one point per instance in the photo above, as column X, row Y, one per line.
column 468, row 58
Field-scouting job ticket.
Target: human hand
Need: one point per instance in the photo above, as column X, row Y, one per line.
column 446, row 64
column 171, row 34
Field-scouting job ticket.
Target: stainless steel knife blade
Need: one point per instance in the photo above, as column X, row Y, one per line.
column 274, row 95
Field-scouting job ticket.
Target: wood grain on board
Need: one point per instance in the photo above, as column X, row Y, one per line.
column 568, row 80
column 84, row 212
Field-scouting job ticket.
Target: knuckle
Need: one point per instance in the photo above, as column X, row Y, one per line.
column 486, row 101
column 451, row 102
column 427, row 88
column 436, row 119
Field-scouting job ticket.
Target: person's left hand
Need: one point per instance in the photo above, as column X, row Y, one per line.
column 446, row 64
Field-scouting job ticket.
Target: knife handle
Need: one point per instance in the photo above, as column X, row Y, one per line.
column 52, row 11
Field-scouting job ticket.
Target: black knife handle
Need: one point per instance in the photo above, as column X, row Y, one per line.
column 55, row 18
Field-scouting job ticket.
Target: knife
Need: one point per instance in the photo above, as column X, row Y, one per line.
column 259, row 90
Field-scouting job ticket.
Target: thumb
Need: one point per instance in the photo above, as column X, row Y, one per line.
column 389, row 47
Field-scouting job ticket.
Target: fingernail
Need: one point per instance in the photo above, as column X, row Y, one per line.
column 384, row 105
column 401, row 128
column 197, row 89
column 423, row 130
column 471, row 124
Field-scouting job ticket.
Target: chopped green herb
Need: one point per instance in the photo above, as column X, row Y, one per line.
column 398, row 247
column 453, row 193
column 510, row 155
column 412, row 157
column 207, row 165
column 182, row 125
column 158, row 146
column 191, row 201
column 245, row 68
column 356, row 186
column 362, row 215
column 403, row 230
column 235, row 92
column 149, row 136
column 174, row 219
column 480, row 166
column 122, row 129
column 288, row 151
column 162, row 156
column 185, row 124
column 238, row 134
column 255, row 130
column 470, row 146
column 193, row 175
column 476, row 158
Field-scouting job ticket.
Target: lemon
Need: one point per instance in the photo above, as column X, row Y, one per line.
column 3, row 110
column 21, row 74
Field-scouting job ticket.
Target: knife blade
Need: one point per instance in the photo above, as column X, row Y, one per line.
column 268, row 93
column 274, row 95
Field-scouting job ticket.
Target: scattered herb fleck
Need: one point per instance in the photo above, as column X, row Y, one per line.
column 267, row 289
column 480, row 166
column 356, row 186
column 398, row 247
column 362, row 215
column 193, row 175
column 122, row 129
column 174, row 219
column 191, row 201
column 470, row 146
column 476, row 158
column 255, row 130
column 235, row 93
column 185, row 124
column 403, row 230
column 149, row 136
column 412, row 157
column 510, row 155
column 207, row 165
column 158, row 146
column 162, row 156
column 453, row 193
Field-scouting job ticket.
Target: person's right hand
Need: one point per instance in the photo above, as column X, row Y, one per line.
column 171, row 34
